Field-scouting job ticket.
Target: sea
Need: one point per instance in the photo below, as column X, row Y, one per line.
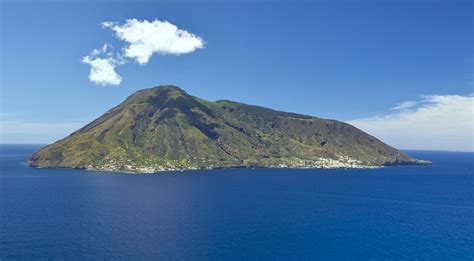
column 390, row 213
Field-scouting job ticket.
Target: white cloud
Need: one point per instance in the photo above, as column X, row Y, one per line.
column 103, row 66
column 404, row 105
column 145, row 38
column 436, row 122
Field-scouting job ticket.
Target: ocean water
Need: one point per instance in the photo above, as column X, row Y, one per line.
column 409, row 212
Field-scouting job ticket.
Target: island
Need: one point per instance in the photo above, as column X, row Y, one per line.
column 164, row 129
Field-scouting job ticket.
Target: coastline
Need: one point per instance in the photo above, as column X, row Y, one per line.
column 174, row 170
column 147, row 170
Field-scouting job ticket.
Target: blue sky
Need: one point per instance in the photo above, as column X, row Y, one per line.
column 353, row 61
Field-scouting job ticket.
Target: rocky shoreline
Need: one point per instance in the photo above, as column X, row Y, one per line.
column 150, row 171
column 322, row 163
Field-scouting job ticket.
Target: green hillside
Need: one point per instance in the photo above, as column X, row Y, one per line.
column 164, row 128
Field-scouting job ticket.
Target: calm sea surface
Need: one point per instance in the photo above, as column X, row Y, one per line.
column 417, row 212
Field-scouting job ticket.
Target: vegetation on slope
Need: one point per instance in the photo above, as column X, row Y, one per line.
column 165, row 128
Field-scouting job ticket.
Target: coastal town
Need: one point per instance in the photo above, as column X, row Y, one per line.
column 340, row 162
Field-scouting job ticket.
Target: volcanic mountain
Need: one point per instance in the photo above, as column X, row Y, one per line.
column 164, row 128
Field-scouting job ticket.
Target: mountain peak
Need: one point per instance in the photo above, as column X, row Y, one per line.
column 157, row 95
column 166, row 87
column 161, row 90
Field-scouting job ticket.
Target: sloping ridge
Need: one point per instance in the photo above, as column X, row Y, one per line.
column 164, row 128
